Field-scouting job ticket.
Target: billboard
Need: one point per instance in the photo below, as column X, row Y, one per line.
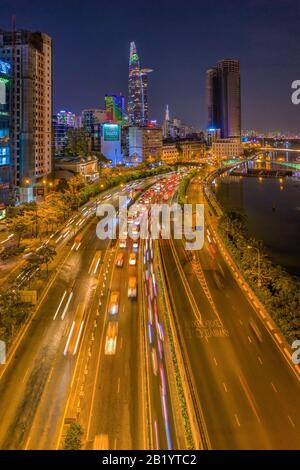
column 111, row 132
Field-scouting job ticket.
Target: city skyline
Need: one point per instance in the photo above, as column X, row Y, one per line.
column 148, row 299
column 180, row 64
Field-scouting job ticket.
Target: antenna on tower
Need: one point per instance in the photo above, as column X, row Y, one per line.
column 167, row 117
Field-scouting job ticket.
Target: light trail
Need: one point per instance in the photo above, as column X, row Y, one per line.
column 69, row 339
column 67, row 305
column 60, row 304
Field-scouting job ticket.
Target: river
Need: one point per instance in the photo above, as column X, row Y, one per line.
column 272, row 210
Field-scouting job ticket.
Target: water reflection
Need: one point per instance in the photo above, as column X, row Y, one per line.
column 272, row 207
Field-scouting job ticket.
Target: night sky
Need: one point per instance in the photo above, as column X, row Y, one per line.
column 179, row 40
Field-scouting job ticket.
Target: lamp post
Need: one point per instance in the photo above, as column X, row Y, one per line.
column 258, row 264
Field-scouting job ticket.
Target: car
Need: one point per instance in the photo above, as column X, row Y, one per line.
column 120, row 260
column 113, row 307
column 135, row 245
column 122, row 243
column 111, row 338
column 132, row 287
column 154, row 360
column 132, row 259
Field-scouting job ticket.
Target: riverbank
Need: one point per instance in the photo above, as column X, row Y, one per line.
column 271, row 208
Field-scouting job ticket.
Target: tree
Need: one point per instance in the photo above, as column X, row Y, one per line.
column 79, row 143
column 13, row 312
column 73, row 437
column 46, row 254
column 20, row 225
column 14, row 211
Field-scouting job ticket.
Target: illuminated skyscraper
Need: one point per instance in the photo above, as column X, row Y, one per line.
column 137, row 90
column 92, row 119
column 224, row 98
column 66, row 117
column 212, row 91
column 5, row 157
column 61, row 123
column 30, row 56
column 115, row 108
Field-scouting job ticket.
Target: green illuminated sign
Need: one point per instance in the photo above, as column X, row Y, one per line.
column 134, row 58
column 111, row 132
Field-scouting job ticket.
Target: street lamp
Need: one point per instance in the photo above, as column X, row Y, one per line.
column 258, row 264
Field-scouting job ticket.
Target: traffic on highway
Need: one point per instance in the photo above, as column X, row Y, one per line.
column 143, row 343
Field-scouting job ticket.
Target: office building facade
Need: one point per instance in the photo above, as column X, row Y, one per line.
column 224, row 98
column 227, row 148
column 115, row 108
column 144, row 144
column 92, row 120
column 111, row 142
column 30, row 56
column 66, row 117
column 184, row 151
column 61, row 123
column 5, row 151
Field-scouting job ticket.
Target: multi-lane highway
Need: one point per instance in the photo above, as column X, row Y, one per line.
column 247, row 390
column 35, row 385
column 95, row 351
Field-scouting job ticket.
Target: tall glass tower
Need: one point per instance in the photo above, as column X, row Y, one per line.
column 137, row 90
column 223, row 91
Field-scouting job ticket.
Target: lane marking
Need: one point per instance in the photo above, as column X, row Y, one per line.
column 237, row 420
column 225, row 388
column 25, row 376
column 249, row 339
column 215, row 361
column 97, row 265
column 67, row 306
column 50, row 375
column 69, row 338
column 78, row 338
column 259, row 359
column 119, row 380
column 291, row 421
column 248, row 394
column 60, row 304
column 274, row 388
column 156, row 435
